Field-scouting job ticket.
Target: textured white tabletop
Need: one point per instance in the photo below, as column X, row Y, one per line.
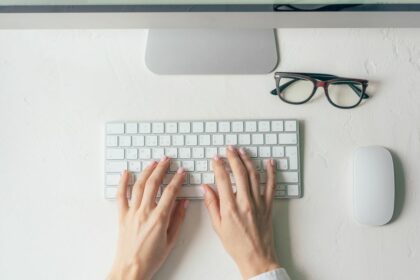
column 58, row 88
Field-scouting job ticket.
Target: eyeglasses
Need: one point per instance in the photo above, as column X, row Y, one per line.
column 299, row 88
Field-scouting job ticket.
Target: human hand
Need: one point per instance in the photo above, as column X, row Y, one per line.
column 243, row 221
column 147, row 230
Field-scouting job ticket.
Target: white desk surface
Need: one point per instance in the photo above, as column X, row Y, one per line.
column 58, row 88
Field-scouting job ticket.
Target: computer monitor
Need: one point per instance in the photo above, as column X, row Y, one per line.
column 209, row 36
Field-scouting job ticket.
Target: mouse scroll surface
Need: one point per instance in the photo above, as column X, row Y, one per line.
column 373, row 185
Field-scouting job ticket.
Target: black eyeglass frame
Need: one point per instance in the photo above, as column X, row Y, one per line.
column 320, row 80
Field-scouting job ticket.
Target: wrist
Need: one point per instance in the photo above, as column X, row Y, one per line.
column 256, row 267
column 127, row 272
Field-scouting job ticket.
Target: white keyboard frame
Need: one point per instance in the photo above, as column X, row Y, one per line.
column 285, row 190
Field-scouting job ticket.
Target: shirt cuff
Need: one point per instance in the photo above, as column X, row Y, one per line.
column 277, row 274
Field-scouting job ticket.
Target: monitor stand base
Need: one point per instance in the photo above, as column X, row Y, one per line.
column 212, row 51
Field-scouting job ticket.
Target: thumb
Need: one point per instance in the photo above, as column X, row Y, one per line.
column 211, row 199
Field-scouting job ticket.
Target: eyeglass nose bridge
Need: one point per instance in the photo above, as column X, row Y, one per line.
column 320, row 84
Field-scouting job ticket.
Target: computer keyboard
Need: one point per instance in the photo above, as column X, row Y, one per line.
column 192, row 144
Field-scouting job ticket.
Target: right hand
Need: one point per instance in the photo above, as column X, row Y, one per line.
column 243, row 221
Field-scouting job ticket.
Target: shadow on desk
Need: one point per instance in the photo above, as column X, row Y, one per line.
column 282, row 239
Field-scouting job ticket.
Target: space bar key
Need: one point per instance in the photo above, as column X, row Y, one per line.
column 188, row 192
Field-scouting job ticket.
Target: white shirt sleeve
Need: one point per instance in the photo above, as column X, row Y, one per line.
column 277, row 274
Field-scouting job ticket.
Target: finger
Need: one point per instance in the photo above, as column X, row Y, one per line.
column 253, row 177
column 223, row 184
column 153, row 183
column 122, row 199
column 138, row 187
column 171, row 191
column 176, row 221
column 271, row 184
column 241, row 175
column 212, row 203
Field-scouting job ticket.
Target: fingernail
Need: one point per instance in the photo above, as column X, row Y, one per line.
column 124, row 172
column 231, row 148
column 272, row 162
column 242, row 151
column 186, row 203
column 163, row 158
column 153, row 162
column 180, row 170
column 216, row 157
column 204, row 190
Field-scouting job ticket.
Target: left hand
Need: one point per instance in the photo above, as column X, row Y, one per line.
column 147, row 230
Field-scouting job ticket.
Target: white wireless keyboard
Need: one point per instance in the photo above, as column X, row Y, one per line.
column 192, row 145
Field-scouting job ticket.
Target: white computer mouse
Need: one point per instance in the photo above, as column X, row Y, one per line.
column 373, row 185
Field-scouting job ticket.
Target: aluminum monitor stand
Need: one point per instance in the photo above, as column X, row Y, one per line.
column 212, row 51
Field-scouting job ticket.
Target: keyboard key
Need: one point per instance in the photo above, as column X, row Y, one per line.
column 112, row 141
column 115, row 166
column 279, row 193
column 174, row 165
column 112, row 179
column 201, row 165
column 184, row 127
column 293, row 190
column 204, row 140
column 264, row 152
column 208, row 178
column 198, row 127
column 224, row 126
column 171, row 127
column 211, row 127
column 282, row 164
column 184, row 153
column 158, row 153
column 222, row 151
column 287, row 138
column 291, row 153
column 171, row 152
column 211, row 152
column 195, row 178
column 138, row 141
column 237, row 126
column 115, row 154
column 131, row 128
column 191, row 140
column 158, row 127
column 168, row 178
column 263, row 177
column 145, row 128
column 263, row 126
column 125, row 141
column 145, row 153
column 271, row 139
column 244, row 139
column 131, row 153
column 277, row 126
column 190, row 192
column 231, row 139
column 151, row 140
column 217, row 140
column 252, row 151
column 278, row 151
column 290, row 125
column 115, row 128
column 198, row 152
column 164, row 140
column 188, row 165
column 145, row 164
column 257, row 164
column 287, row 177
column 257, row 139
column 250, row 126
column 178, row 140
column 134, row 166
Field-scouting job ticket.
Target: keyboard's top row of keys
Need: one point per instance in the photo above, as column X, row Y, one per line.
column 200, row 127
